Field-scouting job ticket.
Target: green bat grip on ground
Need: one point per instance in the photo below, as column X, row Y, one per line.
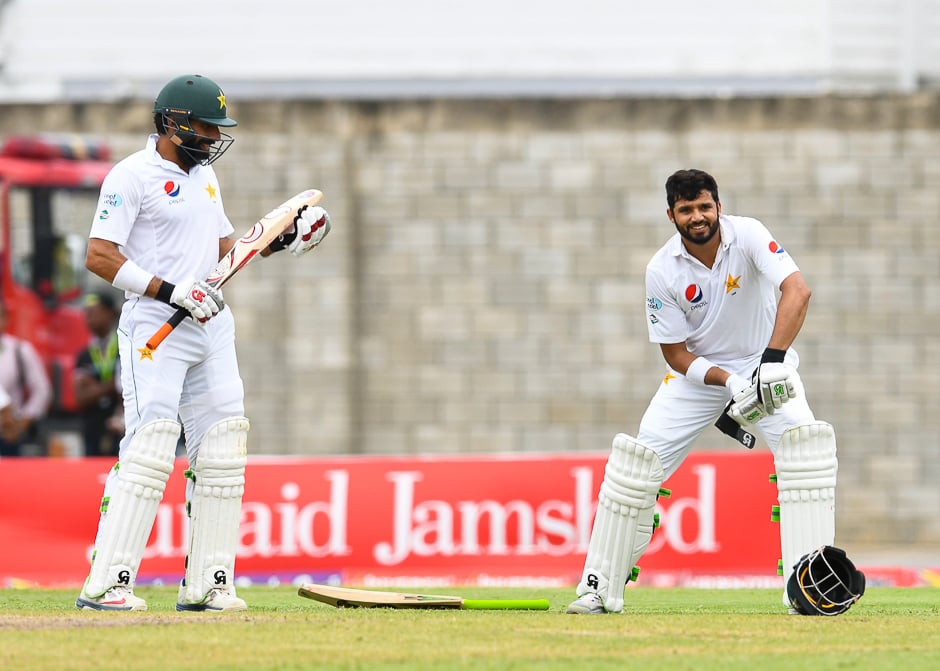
column 505, row 604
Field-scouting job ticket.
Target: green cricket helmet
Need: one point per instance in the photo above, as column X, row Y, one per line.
column 195, row 96
column 191, row 98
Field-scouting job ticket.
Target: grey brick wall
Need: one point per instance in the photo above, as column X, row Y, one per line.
column 482, row 289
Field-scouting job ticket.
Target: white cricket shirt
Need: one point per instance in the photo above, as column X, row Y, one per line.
column 165, row 220
column 727, row 312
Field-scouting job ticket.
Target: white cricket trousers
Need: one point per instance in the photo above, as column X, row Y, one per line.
column 193, row 375
column 681, row 410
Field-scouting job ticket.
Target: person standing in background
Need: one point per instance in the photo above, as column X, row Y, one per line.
column 97, row 379
column 24, row 378
column 6, row 410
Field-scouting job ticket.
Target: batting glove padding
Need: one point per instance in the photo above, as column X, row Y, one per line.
column 202, row 301
column 774, row 385
column 311, row 225
column 746, row 407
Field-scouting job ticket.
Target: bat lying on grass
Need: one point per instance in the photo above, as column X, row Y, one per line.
column 344, row 597
column 246, row 248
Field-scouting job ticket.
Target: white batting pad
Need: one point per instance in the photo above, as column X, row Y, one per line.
column 624, row 521
column 133, row 497
column 215, row 508
column 806, row 467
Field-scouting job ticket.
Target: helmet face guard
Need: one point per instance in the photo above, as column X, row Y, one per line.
column 825, row 582
column 193, row 147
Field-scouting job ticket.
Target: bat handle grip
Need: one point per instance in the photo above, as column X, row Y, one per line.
column 167, row 327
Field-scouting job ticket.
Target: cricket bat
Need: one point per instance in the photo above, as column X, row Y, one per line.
column 246, row 248
column 345, row 597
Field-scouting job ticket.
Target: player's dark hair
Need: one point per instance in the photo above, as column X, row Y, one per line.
column 688, row 184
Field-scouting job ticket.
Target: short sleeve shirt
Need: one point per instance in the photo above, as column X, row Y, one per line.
column 165, row 220
column 727, row 312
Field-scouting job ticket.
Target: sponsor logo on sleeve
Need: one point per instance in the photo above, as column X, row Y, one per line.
column 775, row 248
column 112, row 199
column 653, row 303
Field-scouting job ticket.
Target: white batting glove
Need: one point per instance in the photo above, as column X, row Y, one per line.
column 311, row 225
column 736, row 383
column 774, row 385
column 745, row 407
column 202, row 301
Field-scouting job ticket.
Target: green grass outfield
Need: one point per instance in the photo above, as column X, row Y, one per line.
column 674, row 629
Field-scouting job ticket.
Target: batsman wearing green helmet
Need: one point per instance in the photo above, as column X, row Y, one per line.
column 159, row 229
column 188, row 99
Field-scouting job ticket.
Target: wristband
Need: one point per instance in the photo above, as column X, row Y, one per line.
column 165, row 292
column 772, row 355
column 698, row 369
column 131, row 277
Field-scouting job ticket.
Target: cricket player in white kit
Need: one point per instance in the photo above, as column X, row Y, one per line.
column 159, row 229
column 711, row 305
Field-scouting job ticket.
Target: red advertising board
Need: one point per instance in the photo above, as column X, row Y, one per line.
column 413, row 520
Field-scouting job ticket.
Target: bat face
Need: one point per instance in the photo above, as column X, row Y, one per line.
column 228, row 265
column 262, row 234
column 246, row 248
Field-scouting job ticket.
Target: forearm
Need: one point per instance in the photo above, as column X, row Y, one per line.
column 105, row 260
column 791, row 312
column 696, row 368
column 789, row 321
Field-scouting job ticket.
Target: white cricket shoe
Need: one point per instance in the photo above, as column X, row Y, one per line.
column 118, row 597
column 587, row 604
column 217, row 599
